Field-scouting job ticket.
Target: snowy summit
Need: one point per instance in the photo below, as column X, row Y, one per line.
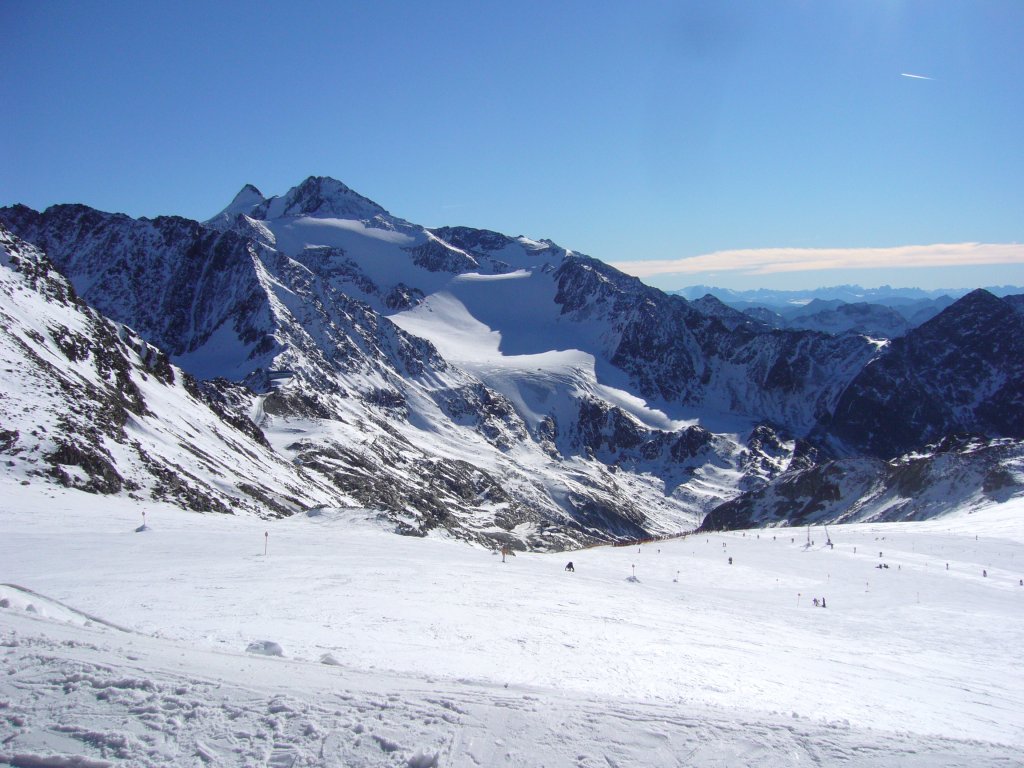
column 214, row 431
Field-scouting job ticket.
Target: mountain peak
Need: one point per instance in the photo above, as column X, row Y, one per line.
column 318, row 196
column 245, row 201
column 322, row 196
column 249, row 191
column 978, row 306
column 979, row 295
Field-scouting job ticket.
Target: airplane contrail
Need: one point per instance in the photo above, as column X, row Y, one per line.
column 916, row 77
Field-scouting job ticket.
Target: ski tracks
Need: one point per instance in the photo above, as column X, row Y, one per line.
column 95, row 697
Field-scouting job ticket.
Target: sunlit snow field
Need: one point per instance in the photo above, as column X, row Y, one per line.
column 418, row 652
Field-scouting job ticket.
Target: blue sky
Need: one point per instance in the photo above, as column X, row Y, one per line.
column 689, row 142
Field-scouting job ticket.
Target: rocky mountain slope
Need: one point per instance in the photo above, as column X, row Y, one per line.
column 956, row 474
column 932, row 424
column 838, row 317
column 502, row 388
column 961, row 372
column 89, row 404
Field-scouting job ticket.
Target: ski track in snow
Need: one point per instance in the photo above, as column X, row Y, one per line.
column 127, row 646
column 132, row 700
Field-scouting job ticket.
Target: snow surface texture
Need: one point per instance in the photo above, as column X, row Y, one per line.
column 322, row 640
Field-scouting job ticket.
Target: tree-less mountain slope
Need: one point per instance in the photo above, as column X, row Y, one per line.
column 858, row 317
column 884, row 312
column 294, row 307
column 961, row 372
column 502, row 388
column 932, row 425
column 88, row 404
column 955, row 475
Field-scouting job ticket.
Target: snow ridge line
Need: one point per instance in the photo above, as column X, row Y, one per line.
column 65, row 606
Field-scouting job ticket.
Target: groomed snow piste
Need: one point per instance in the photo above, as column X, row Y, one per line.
column 346, row 645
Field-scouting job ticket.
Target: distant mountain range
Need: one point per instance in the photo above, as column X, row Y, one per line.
column 313, row 349
column 847, row 294
column 884, row 312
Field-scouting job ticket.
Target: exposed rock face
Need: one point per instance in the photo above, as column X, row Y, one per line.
column 286, row 321
column 674, row 353
column 175, row 281
column 89, row 405
column 1015, row 301
column 835, row 317
column 729, row 317
column 437, row 256
column 961, row 372
column 953, row 475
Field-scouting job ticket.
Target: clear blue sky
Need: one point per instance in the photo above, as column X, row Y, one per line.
column 647, row 131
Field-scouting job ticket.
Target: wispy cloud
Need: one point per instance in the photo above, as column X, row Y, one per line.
column 915, row 77
column 766, row 261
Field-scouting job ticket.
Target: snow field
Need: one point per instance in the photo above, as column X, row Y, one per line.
column 437, row 653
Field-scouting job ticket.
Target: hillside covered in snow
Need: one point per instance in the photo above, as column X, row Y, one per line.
column 212, row 431
column 322, row 639
column 312, row 348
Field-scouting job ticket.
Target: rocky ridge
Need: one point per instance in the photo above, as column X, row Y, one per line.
column 321, row 302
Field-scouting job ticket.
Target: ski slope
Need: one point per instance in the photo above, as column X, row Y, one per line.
column 148, row 647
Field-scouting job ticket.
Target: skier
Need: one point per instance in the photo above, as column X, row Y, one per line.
column 569, row 567
column 823, row 603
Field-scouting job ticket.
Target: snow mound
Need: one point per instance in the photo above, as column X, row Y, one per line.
column 265, row 648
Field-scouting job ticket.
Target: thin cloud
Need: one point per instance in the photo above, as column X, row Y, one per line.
column 916, row 77
column 767, row 261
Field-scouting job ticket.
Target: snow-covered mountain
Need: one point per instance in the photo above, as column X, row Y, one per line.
column 933, row 424
column 88, row 404
column 524, row 447
column 961, row 372
column 503, row 388
column 955, row 475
